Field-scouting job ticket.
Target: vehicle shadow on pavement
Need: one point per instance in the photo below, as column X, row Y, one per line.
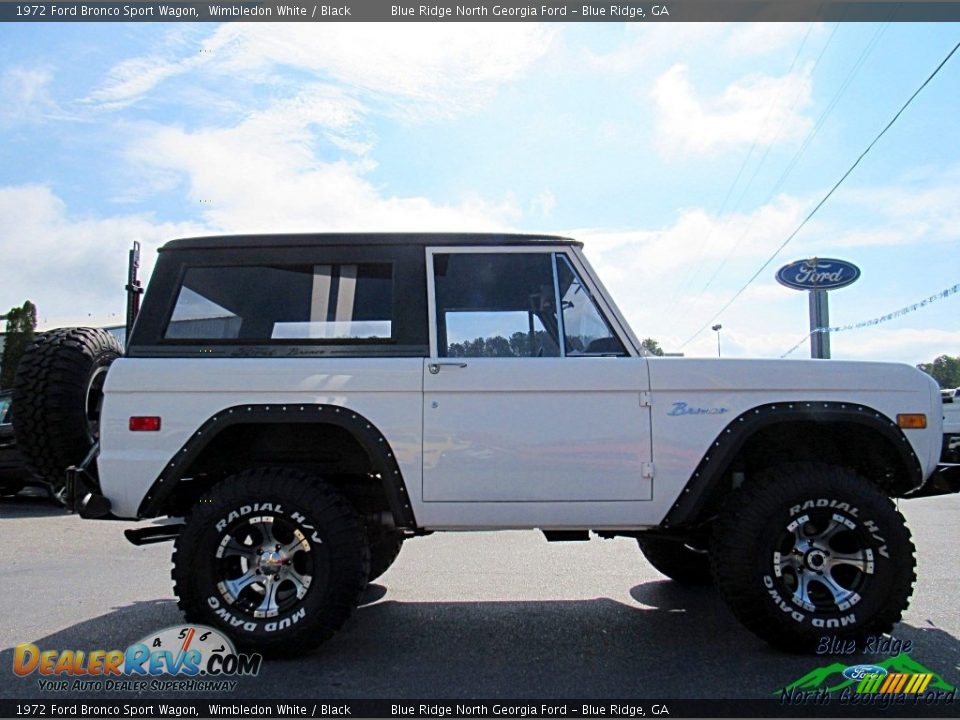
column 675, row 642
column 671, row 642
column 115, row 630
column 30, row 502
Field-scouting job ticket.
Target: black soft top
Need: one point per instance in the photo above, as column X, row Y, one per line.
column 312, row 239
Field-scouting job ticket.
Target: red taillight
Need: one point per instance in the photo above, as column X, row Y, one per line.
column 144, row 423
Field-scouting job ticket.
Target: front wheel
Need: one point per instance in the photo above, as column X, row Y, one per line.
column 275, row 558
column 682, row 563
column 384, row 548
column 806, row 551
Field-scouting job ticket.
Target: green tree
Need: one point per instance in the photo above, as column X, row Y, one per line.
column 21, row 327
column 652, row 346
column 945, row 370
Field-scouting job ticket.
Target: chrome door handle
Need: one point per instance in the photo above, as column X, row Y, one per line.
column 434, row 368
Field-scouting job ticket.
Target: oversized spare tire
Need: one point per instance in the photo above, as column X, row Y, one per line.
column 57, row 395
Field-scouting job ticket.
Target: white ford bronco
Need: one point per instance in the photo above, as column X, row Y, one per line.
column 297, row 406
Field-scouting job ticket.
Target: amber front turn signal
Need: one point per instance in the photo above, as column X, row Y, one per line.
column 914, row 421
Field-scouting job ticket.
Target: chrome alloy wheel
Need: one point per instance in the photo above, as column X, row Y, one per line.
column 263, row 565
column 824, row 561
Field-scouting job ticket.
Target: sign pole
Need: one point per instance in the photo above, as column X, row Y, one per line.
column 816, row 276
column 819, row 318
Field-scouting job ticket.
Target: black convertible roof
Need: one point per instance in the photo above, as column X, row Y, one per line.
column 310, row 239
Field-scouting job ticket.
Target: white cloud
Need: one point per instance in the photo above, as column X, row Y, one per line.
column 905, row 213
column 909, row 345
column 747, row 39
column 757, row 108
column 130, row 80
column 73, row 269
column 645, row 45
column 543, row 204
column 266, row 174
column 436, row 67
column 25, row 95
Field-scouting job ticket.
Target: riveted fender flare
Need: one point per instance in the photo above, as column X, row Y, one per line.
column 367, row 434
column 710, row 471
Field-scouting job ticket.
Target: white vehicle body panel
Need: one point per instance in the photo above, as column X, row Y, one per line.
column 682, row 435
column 529, row 429
column 186, row 392
column 506, row 447
column 555, row 443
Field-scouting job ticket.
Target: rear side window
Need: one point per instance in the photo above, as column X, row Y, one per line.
column 323, row 303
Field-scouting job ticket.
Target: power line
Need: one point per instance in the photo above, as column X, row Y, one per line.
column 825, row 197
column 882, row 319
column 692, row 272
column 810, row 135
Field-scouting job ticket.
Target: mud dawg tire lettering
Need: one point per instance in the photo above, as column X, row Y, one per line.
column 806, row 550
column 384, row 548
column 680, row 563
column 57, row 393
column 274, row 557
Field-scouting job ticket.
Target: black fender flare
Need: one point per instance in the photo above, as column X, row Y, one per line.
column 709, row 472
column 366, row 433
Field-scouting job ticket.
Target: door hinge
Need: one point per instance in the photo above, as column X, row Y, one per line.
column 645, row 399
column 646, row 470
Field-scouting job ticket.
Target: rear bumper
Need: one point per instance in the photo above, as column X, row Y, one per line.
column 83, row 494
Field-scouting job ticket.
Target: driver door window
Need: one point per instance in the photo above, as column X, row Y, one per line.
column 495, row 305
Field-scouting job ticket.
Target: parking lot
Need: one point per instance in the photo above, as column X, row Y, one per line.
column 459, row 616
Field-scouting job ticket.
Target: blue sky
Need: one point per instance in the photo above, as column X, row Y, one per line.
column 681, row 154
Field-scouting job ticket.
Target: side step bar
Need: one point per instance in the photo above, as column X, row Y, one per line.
column 152, row 534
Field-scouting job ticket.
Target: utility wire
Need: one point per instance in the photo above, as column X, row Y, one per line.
column 810, row 135
column 824, row 199
column 883, row 318
column 692, row 272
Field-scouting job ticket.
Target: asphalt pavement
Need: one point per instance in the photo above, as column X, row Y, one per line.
column 459, row 616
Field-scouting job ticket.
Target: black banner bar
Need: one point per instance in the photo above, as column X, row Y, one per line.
column 485, row 11
column 814, row 705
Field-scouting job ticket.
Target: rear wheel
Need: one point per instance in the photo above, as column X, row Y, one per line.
column 806, row 550
column 275, row 558
column 685, row 564
column 57, row 397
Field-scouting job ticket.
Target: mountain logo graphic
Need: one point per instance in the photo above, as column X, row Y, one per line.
column 892, row 675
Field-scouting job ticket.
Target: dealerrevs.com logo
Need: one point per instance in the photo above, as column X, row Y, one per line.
column 177, row 658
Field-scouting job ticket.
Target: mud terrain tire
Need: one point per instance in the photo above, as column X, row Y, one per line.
column 806, row 550
column 57, row 393
column 273, row 557
column 384, row 549
column 677, row 561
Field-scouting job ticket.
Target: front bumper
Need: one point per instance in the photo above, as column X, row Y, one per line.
column 944, row 481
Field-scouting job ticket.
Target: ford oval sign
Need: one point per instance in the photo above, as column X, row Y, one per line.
column 818, row 274
column 859, row 672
